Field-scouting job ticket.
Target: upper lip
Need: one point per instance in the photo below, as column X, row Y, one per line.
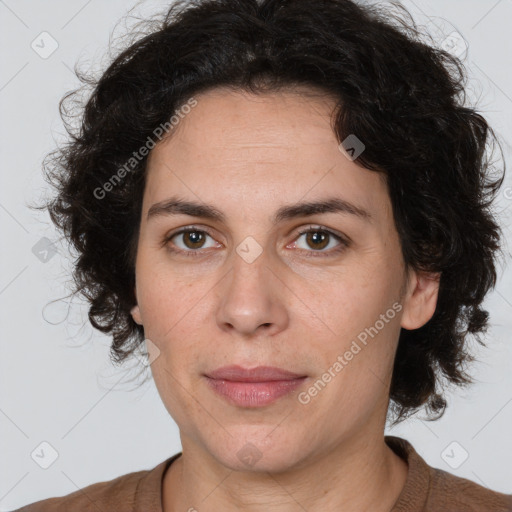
column 258, row 374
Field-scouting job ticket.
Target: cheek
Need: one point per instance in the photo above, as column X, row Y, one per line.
column 348, row 304
column 170, row 385
column 166, row 298
column 356, row 339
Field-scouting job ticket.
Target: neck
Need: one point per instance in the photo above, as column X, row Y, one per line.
column 360, row 474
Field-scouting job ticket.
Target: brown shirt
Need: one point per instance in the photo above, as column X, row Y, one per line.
column 426, row 489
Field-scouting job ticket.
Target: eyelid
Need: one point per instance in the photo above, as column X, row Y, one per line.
column 185, row 229
column 319, row 227
column 344, row 241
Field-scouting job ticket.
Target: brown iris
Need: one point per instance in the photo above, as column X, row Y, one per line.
column 197, row 239
column 317, row 237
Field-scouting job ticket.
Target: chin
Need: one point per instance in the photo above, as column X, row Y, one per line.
column 257, row 451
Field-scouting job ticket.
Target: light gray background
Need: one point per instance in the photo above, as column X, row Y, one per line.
column 57, row 384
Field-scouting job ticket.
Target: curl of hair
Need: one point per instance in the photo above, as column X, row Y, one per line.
column 403, row 98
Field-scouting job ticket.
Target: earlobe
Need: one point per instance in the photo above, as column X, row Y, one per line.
column 421, row 300
column 135, row 311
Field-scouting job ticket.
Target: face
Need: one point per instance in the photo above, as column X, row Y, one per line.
column 246, row 288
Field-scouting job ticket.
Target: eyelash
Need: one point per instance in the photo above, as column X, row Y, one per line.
column 344, row 243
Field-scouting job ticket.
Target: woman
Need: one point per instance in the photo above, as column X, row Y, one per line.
column 289, row 204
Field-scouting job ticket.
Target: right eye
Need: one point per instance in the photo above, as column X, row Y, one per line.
column 191, row 238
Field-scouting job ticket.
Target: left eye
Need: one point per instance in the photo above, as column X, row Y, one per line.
column 320, row 239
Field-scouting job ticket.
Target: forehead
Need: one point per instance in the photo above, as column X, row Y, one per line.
column 252, row 149
column 235, row 118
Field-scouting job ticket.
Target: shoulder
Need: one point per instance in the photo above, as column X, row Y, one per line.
column 430, row 489
column 140, row 490
column 465, row 494
column 93, row 497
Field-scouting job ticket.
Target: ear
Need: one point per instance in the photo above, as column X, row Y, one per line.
column 135, row 311
column 420, row 299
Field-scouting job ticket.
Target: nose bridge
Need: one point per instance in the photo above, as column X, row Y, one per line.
column 250, row 297
column 250, row 263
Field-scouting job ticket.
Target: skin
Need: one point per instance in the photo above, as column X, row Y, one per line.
column 249, row 155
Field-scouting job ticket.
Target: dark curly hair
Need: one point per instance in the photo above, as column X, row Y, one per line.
column 404, row 97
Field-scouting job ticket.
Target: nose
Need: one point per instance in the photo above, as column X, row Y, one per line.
column 252, row 299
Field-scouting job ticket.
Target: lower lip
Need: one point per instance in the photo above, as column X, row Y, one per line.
column 254, row 394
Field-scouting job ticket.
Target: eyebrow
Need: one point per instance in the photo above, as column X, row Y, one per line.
column 177, row 206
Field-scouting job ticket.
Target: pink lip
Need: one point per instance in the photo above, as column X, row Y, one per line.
column 253, row 387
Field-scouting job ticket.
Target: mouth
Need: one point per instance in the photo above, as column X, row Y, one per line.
column 255, row 387
column 258, row 374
